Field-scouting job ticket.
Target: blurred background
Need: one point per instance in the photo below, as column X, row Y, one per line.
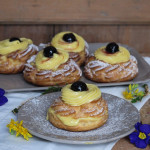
column 123, row 21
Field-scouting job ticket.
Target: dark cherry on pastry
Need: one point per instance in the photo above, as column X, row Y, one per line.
column 69, row 37
column 14, row 53
column 14, row 39
column 112, row 48
column 51, row 67
column 79, row 86
column 73, row 44
column 111, row 63
column 80, row 109
column 49, row 51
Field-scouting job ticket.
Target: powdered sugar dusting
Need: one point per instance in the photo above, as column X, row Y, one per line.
column 31, row 59
column 75, row 55
column 63, row 109
column 97, row 63
column 133, row 58
column 69, row 68
column 43, row 45
column 112, row 68
column 127, row 69
column 122, row 117
column 86, row 49
column 26, row 51
column 97, row 112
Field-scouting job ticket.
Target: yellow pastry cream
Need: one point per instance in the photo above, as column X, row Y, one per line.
column 69, row 121
column 76, row 45
column 120, row 56
column 7, row 46
column 77, row 98
column 50, row 63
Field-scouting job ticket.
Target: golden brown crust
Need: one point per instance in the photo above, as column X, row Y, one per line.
column 14, row 62
column 78, row 57
column 68, row 72
column 100, row 71
column 95, row 109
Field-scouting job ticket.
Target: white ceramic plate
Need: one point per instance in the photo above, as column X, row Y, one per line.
column 122, row 118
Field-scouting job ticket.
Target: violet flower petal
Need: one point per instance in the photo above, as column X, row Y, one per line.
column 147, row 140
column 3, row 100
column 133, row 137
column 137, row 125
column 140, row 143
column 2, row 92
column 145, row 128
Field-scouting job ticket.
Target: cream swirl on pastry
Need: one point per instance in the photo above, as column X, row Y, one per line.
column 14, row 53
column 112, row 63
column 72, row 43
column 46, row 63
column 122, row 55
column 51, row 67
column 79, row 108
column 77, row 45
column 7, row 46
column 74, row 98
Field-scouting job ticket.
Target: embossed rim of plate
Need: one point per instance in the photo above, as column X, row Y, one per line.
column 50, row 138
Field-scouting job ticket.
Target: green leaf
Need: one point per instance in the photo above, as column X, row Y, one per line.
column 136, row 99
column 12, row 132
column 134, row 86
column 15, row 111
column 52, row 89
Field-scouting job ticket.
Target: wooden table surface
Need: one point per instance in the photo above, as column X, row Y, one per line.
column 124, row 143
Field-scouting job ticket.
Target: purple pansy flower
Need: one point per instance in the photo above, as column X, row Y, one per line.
column 141, row 137
column 2, row 92
column 3, row 99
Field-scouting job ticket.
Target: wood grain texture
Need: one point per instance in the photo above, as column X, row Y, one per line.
column 75, row 12
column 38, row 33
column 124, row 144
column 137, row 37
column 145, row 113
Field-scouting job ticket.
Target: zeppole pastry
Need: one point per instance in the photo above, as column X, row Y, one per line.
column 72, row 43
column 51, row 67
column 14, row 53
column 111, row 63
column 79, row 108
